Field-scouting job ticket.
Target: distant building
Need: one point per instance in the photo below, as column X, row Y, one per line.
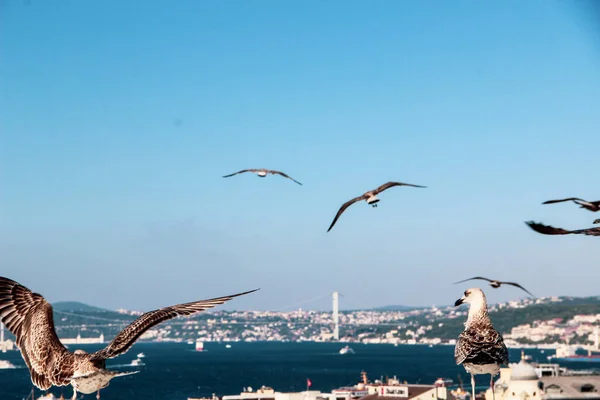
column 392, row 389
column 80, row 340
column 523, row 382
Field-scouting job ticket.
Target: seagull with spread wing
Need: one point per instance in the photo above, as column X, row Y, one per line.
column 496, row 284
column 550, row 230
column 262, row 173
column 588, row 205
column 29, row 317
column 370, row 197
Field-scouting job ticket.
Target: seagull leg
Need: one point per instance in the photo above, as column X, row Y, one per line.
column 473, row 385
column 98, row 395
column 74, row 393
column 492, row 387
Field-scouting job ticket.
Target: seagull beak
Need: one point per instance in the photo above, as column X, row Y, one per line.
column 459, row 302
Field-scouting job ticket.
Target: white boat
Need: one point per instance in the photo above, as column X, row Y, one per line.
column 190, row 342
column 199, row 345
column 227, row 346
column 346, row 350
column 137, row 362
column 5, row 364
column 141, row 355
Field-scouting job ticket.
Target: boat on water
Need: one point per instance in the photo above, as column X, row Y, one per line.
column 199, row 345
column 5, row 364
column 346, row 350
column 569, row 354
column 141, row 355
column 227, row 346
column 137, row 362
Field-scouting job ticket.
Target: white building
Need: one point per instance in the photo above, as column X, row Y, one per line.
column 522, row 382
column 80, row 340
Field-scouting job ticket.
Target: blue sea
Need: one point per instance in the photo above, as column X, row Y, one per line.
column 175, row 371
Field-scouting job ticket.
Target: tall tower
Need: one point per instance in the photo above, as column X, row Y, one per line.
column 2, row 338
column 336, row 316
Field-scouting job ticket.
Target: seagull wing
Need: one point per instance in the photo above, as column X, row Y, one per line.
column 519, row 286
column 343, row 208
column 240, row 172
column 127, row 337
column 29, row 317
column 587, row 231
column 550, row 230
column 470, row 279
column 480, row 345
column 284, row 175
column 391, row 184
column 561, row 200
column 546, row 229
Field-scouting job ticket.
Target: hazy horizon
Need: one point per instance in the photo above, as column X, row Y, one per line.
column 120, row 119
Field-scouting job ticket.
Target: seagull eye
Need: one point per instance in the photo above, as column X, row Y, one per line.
column 466, row 292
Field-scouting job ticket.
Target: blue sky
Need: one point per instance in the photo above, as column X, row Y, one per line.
column 119, row 119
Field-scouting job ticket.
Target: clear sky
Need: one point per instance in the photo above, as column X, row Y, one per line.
column 118, row 119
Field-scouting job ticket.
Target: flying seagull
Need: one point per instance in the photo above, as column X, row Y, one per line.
column 29, row 317
column 480, row 348
column 588, row 205
column 496, row 284
column 550, row 230
column 370, row 197
column 262, row 173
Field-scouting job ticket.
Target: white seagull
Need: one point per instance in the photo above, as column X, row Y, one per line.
column 263, row 173
column 480, row 348
column 29, row 317
column 370, row 197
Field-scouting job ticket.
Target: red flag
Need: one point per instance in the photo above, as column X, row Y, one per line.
column 308, row 383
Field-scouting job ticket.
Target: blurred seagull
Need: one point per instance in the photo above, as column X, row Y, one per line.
column 262, row 173
column 588, row 205
column 370, row 197
column 496, row 284
column 29, row 317
column 480, row 348
column 550, row 230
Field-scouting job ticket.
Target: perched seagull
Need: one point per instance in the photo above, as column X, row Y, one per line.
column 550, row 230
column 588, row 205
column 496, row 284
column 370, row 197
column 480, row 348
column 29, row 317
column 262, row 173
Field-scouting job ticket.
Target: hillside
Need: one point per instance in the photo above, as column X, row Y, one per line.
column 506, row 318
column 397, row 308
column 74, row 306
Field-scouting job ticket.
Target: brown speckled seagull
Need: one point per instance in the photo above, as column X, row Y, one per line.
column 29, row 317
column 550, row 230
column 480, row 348
column 262, row 173
column 370, row 197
